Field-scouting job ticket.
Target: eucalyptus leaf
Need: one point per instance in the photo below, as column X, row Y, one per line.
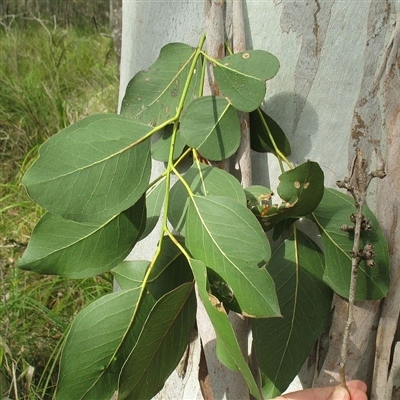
column 260, row 140
column 92, row 170
column 228, row 349
column 241, row 77
column 372, row 282
column 203, row 180
column 92, row 341
column 301, row 189
column 82, row 249
column 283, row 344
column 153, row 95
column 227, row 238
column 211, row 125
column 154, row 202
column 129, row 274
column 160, row 346
column 108, row 332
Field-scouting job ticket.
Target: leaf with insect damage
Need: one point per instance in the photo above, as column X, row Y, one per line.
column 241, row 77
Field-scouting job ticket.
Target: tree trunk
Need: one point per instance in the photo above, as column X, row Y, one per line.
column 338, row 88
column 116, row 26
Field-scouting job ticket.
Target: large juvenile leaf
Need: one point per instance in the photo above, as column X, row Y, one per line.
column 301, row 189
column 104, row 334
column 211, row 125
column 160, row 345
column 260, row 139
column 372, row 282
column 283, row 344
column 226, row 236
column 88, row 354
column 153, row 95
column 81, row 249
column 92, row 170
column 241, row 77
column 204, row 180
column 228, row 349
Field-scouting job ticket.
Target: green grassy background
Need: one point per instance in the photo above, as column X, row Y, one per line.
column 49, row 78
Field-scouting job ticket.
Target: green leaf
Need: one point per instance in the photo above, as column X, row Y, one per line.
column 110, row 330
column 82, row 249
column 372, row 282
column 89, row 350
column 228, row 349
column 301, row 189
column 92, row 170
column 283, row 344
column 129, row 274
column 154, row 201
column 161, row 148
column 160, row 346
column 226, row 236
column 203, row 180
column 259, row 138
column 211, row 125
column 153, row 95
column 241, row 77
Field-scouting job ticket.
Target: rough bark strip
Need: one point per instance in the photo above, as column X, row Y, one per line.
column 367, row 120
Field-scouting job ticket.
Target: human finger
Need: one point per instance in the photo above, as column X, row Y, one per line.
column 357, row 384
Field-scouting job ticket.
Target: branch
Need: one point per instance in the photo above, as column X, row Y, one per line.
column 357, row 185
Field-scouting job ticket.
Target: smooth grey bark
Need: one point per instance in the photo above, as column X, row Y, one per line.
column 337, row 89
column 116, row 26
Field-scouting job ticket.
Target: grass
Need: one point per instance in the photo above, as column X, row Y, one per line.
column 49, row 78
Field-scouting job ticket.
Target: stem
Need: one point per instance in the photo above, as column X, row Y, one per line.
column 170, row 166
column 358, row 191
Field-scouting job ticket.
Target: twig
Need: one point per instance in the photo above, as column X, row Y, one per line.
column 357, row 185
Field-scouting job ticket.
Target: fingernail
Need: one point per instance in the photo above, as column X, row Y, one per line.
column 340, row 394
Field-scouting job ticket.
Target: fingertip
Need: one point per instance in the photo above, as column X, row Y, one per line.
column 357, row 384
column 340, row 394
